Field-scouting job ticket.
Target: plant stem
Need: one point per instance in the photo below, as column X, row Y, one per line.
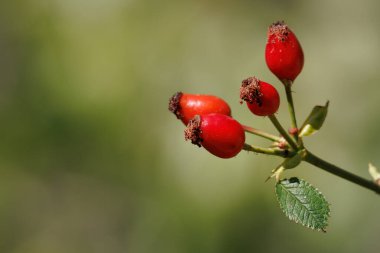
column 289, row 97
column 282, row 131
column 268, row 151
column 258, row 132
column 312, row 159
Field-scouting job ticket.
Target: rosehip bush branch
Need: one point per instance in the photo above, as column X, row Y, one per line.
column 209, row 125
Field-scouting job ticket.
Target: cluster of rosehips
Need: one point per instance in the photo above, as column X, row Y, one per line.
column 208, row 118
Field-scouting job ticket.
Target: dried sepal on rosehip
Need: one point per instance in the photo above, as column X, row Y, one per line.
column 219, row 134
column 186, row 106
column 261, row 97
column 283, row 52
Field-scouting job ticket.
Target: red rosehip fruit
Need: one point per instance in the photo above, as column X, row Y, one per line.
column 283, row 52
column 186, row 106
column 261, row 97
column 219, row 134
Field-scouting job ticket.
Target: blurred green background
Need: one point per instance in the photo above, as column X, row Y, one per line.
column 92, row 161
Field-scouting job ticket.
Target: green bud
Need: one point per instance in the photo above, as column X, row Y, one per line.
column 315, row 120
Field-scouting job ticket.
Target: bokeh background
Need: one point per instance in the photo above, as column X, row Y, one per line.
column 92, row 161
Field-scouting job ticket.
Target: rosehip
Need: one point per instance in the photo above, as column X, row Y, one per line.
column 186, row 106
column 283, row 52
column 219, row 134
column 261, row 97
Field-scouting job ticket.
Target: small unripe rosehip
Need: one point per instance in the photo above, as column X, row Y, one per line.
column 261, row 97
column 186, row 106
column 283, row 52
column 219, row 134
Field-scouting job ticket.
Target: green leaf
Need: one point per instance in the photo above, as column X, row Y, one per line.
column 303, row 203
column 315, row 120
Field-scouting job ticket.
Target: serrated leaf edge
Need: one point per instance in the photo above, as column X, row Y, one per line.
column 295, row 221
